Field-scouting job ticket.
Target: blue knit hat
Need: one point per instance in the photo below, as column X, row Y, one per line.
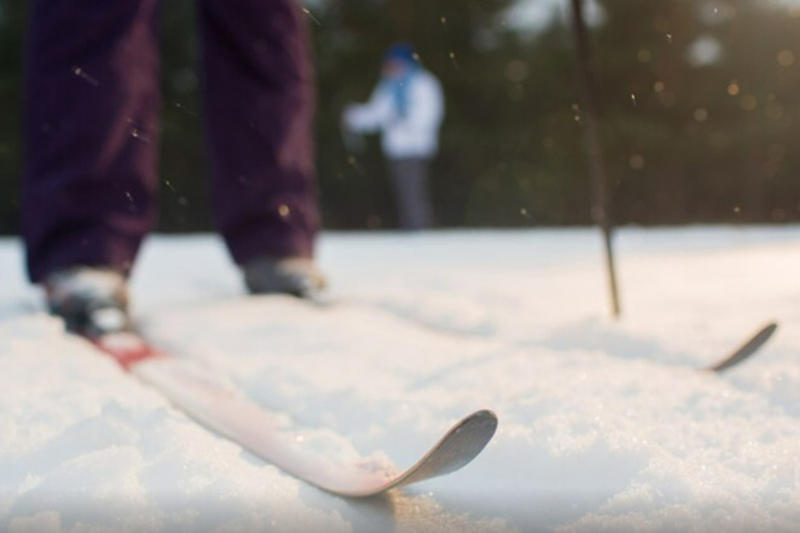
column 400, row 52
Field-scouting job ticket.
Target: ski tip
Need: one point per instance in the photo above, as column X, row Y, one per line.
column 763, row 335
column 484, row 422
column 462, row 443
column 484, row 416
column 751, row 346
column 467, row 439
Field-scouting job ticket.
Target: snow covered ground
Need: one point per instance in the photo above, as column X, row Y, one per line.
column 603, row 425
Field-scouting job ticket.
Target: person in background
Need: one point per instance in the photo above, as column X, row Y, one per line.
column 407, row 107
column 91, row 116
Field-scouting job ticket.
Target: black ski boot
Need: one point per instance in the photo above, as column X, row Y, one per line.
column 92, row 301
column 298, row 276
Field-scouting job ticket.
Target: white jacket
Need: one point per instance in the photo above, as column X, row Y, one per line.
column 413, row 135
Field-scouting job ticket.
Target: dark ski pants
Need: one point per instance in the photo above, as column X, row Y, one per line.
column 91, row 115
column 409, row 177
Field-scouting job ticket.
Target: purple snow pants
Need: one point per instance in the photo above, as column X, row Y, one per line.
column 92, row 130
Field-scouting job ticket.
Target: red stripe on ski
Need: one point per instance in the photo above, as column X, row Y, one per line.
column 127, row 349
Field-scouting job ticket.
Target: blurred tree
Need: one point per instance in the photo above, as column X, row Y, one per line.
column 12, row 23
column 184, row 204
column 700, row 101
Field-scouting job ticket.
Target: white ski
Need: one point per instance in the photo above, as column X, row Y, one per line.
column 195, row 390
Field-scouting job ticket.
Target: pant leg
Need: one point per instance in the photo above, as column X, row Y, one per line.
column 410, row 181
column 91, row 134
column 259, row 105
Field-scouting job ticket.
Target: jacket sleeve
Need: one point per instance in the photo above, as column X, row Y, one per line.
column 426, row 109
column 372, row 115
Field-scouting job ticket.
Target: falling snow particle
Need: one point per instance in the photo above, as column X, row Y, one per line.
column 636, row 162
column 516, row 71
column 183, row 108
column 283, row 210
column 733, row 88
column 774, row 111
column 576, row 115
column 786, row 58
column 137, row 134
column 79, row 72
column 311, row 16
column 701, row 114
column 453, row 58
column 748, row 102
column 704, row 51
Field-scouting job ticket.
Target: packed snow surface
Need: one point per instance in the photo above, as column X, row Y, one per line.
column 604, row 425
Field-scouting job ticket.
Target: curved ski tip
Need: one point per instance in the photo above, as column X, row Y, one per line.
column 747, row 349
column 769, row 329
column 483, row 423
column 766, row 331
column 473, row 433
column 458, row 447
column 484, row 416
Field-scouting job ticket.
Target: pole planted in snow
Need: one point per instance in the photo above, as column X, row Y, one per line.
column 594, row 147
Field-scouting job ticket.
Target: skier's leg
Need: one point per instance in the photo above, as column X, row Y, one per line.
column 259, row 104
column 410, row 180
column 91, row 133
column 420, row 205
column 397, row 177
